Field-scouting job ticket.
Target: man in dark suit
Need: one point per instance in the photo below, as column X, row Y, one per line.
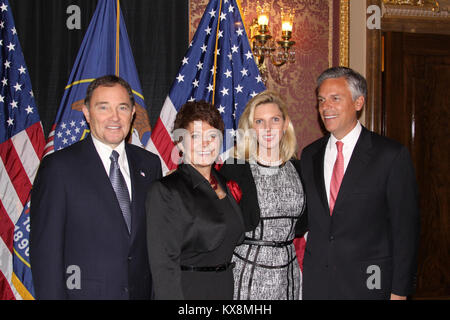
column 362, row 206
column 88, row 230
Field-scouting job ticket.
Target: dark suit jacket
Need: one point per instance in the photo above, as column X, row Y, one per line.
column 375, row 223
column 242, row 174
column 76, row 221
column 184, row 223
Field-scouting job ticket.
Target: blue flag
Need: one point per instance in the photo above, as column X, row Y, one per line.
column 219, row 68
column 105, row 50
column 21, row 146
column 22, row 279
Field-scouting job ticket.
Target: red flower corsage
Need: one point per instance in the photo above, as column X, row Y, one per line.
column 218, row 166
column 236, row 191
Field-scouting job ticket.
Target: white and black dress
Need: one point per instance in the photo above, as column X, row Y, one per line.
column 266, row 264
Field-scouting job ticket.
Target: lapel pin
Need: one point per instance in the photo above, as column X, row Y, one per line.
column 142, row 173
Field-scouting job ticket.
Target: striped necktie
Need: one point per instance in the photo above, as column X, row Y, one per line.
column 120, row 188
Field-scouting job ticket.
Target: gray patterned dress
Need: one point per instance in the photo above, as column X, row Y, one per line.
column 268, row 272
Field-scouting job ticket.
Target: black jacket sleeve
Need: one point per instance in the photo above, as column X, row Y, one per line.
column 164, row 241
column 402, row 198
column 242, row 175
column 47, row 212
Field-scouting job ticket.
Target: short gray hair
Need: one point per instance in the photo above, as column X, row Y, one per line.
column 356, row 82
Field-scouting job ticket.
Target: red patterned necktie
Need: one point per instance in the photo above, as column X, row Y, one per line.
column 338, row 174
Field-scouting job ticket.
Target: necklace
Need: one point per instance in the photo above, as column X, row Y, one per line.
column 213, row 182
column 270, row 163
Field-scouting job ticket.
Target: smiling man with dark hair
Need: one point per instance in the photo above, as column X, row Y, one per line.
column 88, row 210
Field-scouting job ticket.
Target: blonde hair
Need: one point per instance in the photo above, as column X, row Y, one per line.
column 247, row 147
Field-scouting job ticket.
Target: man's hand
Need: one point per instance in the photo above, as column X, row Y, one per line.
column 396, row 297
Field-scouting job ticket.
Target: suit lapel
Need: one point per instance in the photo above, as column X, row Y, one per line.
column 96, row 170
column 197, row 182
column 134, row 187
column 99, row 178
column 223, row 183
column 139, row 175
column 318, row 159
column 205, row 197
column 357, row 165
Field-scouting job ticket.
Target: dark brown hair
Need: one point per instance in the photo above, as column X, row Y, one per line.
column 198, row 111
column 107, row 81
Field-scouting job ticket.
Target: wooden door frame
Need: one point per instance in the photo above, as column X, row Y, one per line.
column 373, row 108
column 374, row 57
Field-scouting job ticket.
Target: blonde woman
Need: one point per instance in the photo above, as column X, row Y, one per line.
column 272, row 201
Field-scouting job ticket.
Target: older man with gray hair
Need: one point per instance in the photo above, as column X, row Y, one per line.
column 362, row 207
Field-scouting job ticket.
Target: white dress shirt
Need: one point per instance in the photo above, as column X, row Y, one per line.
column 349, row 142
column 104, row 151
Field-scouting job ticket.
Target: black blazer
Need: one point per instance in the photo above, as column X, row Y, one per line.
column 241, row 173
column 76, row 221
column 373, row 232
column 182, row 223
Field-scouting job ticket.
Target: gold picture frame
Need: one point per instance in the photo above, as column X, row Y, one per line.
column 344, row 32
column 338, row 49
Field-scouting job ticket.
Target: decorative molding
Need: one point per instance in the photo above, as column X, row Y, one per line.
column 425, row 10
column 432, row 17
column 330, row 33
column 414, row 3
column 411, row 24
column 343, row 32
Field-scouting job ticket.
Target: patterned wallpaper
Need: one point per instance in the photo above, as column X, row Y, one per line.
column 295, row 82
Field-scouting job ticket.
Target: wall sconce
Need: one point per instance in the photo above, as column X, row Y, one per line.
column 262, row 44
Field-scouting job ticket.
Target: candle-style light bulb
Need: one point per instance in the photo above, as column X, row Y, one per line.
column 287, row 26
column 287, row 22
column 262, row 11
column 263, row 20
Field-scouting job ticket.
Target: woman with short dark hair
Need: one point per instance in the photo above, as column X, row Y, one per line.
column 193, row 221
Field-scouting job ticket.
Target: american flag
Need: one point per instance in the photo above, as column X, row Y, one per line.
column 21, row 146
column 219, row 68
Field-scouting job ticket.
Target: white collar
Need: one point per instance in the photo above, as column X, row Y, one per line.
column 349, row 140
column 105, row 150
